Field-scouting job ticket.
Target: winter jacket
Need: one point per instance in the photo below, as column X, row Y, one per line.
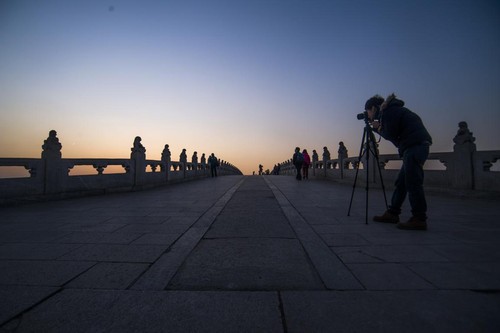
column 307, row 159
column 401, row 126
column 298, row 159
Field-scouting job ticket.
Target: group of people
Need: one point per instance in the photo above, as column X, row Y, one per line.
column 394, row 122
column 213, row 161
column 302, row 161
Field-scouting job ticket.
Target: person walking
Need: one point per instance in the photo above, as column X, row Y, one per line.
column 306, row 164
column 298, row 160
column 405, row 129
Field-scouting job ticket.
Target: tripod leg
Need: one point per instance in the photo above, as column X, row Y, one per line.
column 367, row 175
column 361, row 152
column 381, row 179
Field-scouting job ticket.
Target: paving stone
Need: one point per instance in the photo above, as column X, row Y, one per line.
column 344, row 239
column 391, row 311
column 249, row 225
column 471, row 275
column 17, row 299
column 107, row 275
column 40, row 273
column 156, row 239
column 388, row 276
column 117, row 253
column 247, row 264
column 155, row 228
column 29, row 236
column 91, row 227
column 88, row 237
column 140, row 311
column 396, row 253
column 34, row 251
column 137, row 220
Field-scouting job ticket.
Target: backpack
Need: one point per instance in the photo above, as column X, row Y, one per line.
column 299, row 159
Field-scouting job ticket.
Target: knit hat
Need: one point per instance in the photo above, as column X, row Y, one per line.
column 376, row 100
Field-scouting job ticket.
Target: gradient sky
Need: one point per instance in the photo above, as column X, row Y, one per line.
column 247, row 80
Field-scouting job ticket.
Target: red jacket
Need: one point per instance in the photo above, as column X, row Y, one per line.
column 307, row 159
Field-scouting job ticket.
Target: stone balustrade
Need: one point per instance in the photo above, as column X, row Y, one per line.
column 51, row 175
column 462, row 171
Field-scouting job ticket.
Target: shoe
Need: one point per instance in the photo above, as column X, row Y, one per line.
column 414, row 223
column 387, row 217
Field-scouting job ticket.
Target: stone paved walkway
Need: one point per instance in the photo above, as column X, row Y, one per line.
column 247, row 254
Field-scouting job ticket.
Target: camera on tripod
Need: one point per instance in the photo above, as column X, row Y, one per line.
column 368, row 147
column 362, row 116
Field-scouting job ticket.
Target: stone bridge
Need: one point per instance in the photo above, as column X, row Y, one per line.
column 247, row 254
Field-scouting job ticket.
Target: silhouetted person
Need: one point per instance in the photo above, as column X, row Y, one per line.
column 298, row 160
column 342, row 150
column 214, row 163
column 342, row 154
column 306, row 164
column 326, row 158
column 315, row 158
column 183, row 158
column 407, row 132
column 165, row 157
column 194, row 160
column 203, row 161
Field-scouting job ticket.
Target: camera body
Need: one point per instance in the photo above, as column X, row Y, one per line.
column 362, row 116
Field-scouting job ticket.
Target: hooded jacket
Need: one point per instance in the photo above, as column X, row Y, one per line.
column 401, row 126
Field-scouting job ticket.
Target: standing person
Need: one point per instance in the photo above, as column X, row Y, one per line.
column 306, row 164
column 298, row 160
column 214, row 163
column 342, row 151
column 315, row 158
column 326, row 158
column 203, row 161
column 342, row 154
column 407, row 132
column 194, row 161
column 183, row 158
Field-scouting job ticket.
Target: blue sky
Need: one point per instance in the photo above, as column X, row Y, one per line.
column 247, row 80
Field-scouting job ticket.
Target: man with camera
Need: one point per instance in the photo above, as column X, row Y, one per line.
column 406, row 131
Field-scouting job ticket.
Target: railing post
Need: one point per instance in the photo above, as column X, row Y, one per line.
column 165, row 158
column 52, row 165
column 462, row 166
column 138, row 160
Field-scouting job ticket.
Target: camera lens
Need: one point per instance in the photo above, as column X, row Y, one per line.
column 362, row 115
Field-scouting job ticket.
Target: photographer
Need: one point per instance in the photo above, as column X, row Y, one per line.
column 406, row 131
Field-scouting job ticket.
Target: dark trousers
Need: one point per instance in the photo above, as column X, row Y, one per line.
column 305, row 171
column 213, row 171
column 411, row 180
column 299, row 168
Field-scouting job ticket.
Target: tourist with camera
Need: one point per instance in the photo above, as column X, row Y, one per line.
column 406, row 131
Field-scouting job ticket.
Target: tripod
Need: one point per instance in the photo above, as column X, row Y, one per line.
column 368, row 146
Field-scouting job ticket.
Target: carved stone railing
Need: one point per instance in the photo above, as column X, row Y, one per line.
column 51, row 176
column 461, row 171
